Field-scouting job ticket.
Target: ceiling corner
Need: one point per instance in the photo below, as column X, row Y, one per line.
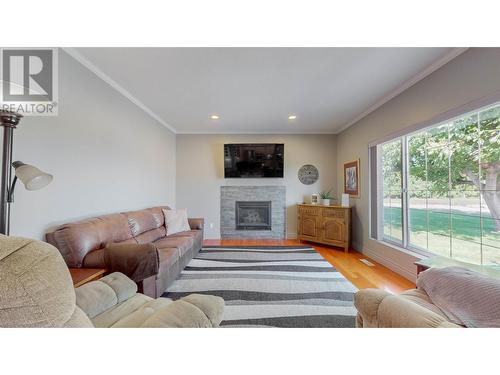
column 455, row 52
column 99, row 73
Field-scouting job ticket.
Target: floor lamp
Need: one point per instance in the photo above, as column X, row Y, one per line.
column 30, row 176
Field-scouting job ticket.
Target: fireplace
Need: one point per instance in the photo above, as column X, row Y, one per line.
column 253, row 215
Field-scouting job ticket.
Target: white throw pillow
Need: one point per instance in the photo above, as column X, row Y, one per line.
column 176, row 221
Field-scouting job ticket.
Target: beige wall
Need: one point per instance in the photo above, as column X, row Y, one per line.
column 200, row 172
column 470, row 76
column 105, row 153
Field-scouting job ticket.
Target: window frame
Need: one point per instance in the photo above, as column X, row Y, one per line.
column 376, row 182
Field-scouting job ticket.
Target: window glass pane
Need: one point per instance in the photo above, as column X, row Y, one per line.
column 391, row 177
column 438, row 206
column 437, row 136
column 466, row 225
column 491, row 236
column 464, row 153
column 417, row 165
column 491, row 255
column 490, row 174
column 438, row 169
column 417, row 191
column 418, row 219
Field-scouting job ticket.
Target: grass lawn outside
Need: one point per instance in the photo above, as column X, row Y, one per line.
column 461, row 235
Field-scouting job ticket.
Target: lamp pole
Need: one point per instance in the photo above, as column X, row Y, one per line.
column 9, row 121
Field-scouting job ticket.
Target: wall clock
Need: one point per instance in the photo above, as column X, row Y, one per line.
column 308, row 174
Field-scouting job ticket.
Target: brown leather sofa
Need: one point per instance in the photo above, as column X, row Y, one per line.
column 82, row 244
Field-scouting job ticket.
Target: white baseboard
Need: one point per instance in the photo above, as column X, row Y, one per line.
column 396, row 267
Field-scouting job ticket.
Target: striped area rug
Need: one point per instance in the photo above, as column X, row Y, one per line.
column 278, row 286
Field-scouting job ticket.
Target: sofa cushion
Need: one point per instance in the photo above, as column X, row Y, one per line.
column 143, row 313
column 120, row 311
column 184, row 244
column 176, row 221
column 158, row 215
column 466, row 297
column 186, row 233
column 141, row 221
column 195, row 235
column 151, row 235
column 96, row 297
column 191, row 311
column 168, row 257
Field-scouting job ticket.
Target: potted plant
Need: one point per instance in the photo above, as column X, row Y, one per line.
column 326, row 197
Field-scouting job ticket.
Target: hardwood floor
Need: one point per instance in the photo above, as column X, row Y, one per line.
column 360, row 274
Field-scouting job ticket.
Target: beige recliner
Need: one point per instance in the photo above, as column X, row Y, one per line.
column 410, row 309
column 36, row 290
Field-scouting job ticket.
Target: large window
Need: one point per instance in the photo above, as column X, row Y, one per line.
column 437, row 190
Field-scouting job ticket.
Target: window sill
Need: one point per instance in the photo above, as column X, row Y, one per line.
column 409, row 252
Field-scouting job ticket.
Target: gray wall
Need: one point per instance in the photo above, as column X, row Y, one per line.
column 105, row 153
column 200, row 172
column 470, row 76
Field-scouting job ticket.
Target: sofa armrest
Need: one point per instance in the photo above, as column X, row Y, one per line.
column 396, row 311
column 98, row 296
column 367, row 302
column 137, row 261
column 378, row 308
column 196, row 223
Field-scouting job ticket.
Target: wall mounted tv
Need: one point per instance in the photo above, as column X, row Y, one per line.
column 254, row 160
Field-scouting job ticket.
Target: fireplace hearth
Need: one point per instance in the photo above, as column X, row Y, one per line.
column 253, row 215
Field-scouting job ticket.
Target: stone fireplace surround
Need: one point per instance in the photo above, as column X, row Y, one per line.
column 229, row 195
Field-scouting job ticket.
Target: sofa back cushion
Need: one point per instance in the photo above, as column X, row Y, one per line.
column 76, row 240
column 146, row 225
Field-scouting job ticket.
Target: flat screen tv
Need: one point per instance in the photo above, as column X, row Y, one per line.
column 254, row 160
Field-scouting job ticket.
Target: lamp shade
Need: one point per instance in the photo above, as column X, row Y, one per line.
column 32, row 177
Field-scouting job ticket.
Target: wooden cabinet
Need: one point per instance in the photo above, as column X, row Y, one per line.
column 330, row 225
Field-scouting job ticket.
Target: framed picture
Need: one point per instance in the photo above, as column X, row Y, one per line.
column 351, row 178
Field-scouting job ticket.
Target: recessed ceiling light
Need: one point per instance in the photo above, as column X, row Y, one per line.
column 215, row 117
column 292, row 117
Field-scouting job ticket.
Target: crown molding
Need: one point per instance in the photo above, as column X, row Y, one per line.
column 270, row 132
column 406, row 85
column 99, row 73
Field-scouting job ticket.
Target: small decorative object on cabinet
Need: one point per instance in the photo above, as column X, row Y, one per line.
column 314, row 199
column 329, row 225
column 326, row 197
column 345, row 200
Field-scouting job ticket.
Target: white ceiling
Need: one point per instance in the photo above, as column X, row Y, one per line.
column 255, row 89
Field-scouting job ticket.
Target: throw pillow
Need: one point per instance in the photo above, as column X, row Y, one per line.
column 176, row 221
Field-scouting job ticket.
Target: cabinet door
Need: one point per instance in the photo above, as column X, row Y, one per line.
column 333, row 230
column 308, row 226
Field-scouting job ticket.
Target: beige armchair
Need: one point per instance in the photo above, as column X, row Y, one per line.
column 410, row 309
column 36, row 290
